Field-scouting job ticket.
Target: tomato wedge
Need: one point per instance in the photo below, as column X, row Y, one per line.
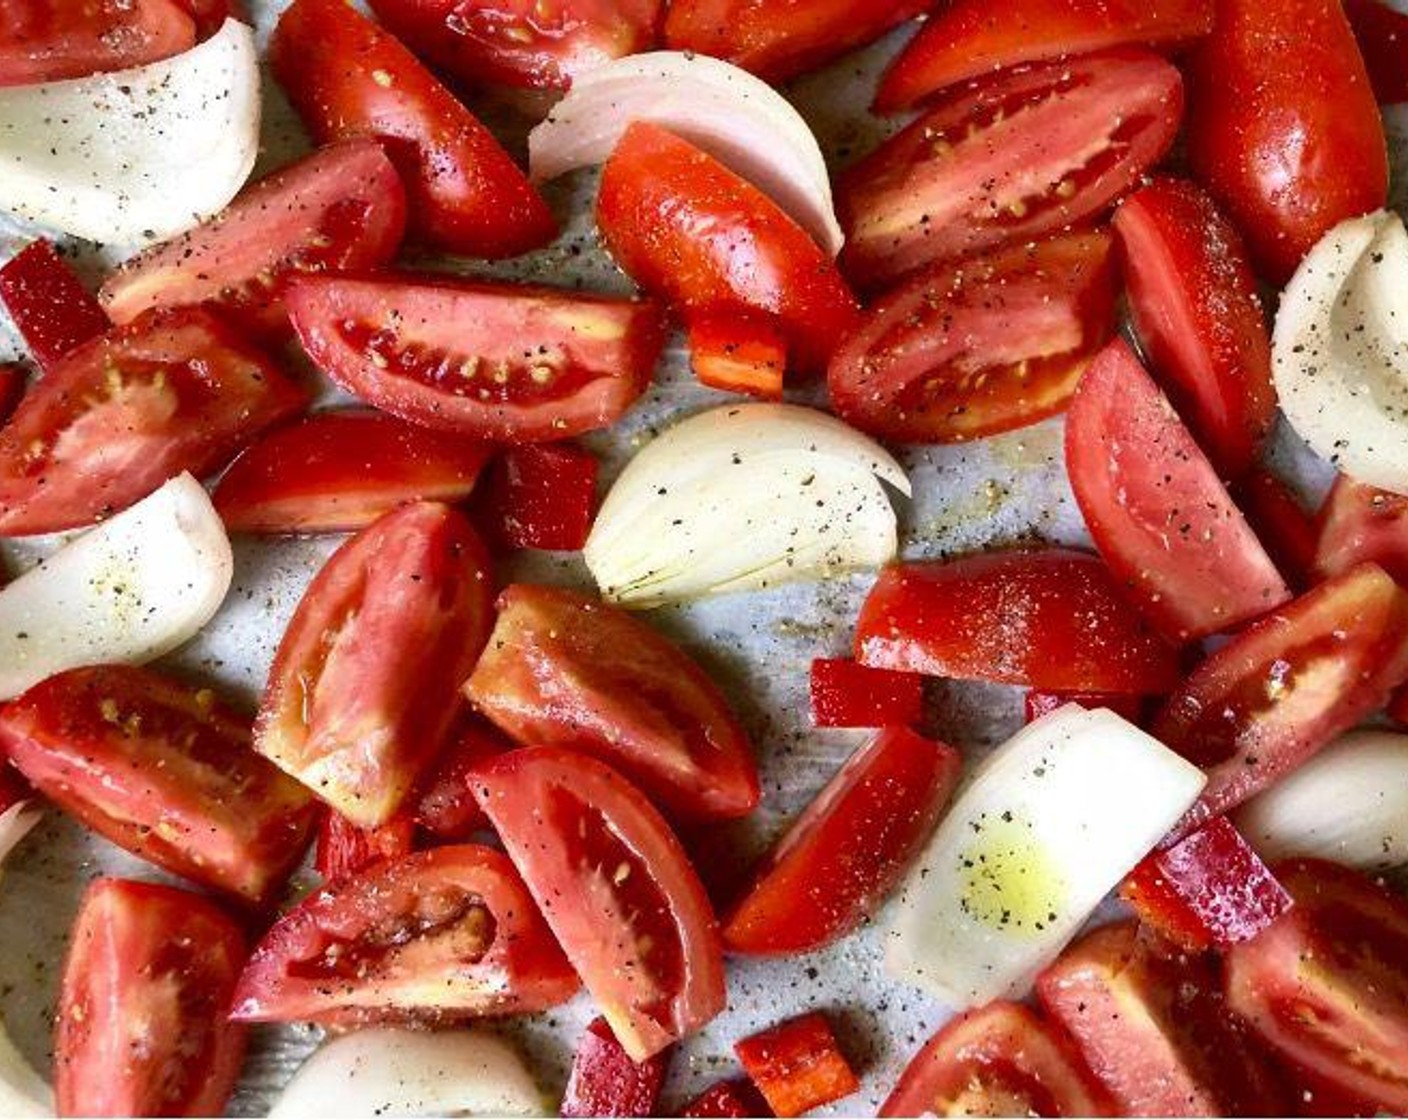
column 565, row 670
column 1362, row 523
column 50, row 40
column 54, row 313
column 344, row 849
column 1010, row 159
column 171, row 391
column 502, row 362
column 341, row 470
column 1325, row 985
column 341, row 208
column 1382, row 34
column 362, row 691
column 141, row 1027
column 165, row 771
column 434, row 937
column 839, row 860
column 466, row 195
column 1286, row 686
column 685, row 227
column 615, row 886
column 1281, row 523
column 1156, row 509
column 1049, row 619
column 971, row 349
column 997, row 1060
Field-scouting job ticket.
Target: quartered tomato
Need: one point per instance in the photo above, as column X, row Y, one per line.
column 978, row 347
column 565, row 670
column 1156, row 509
column 341, row 470
column 1283, row 128
column 437, row 937
column 363, row 690
column 50, row 40
column 1009, row 159
column 1286, row 686
column 1281, row 522
column 1326, row 987
column 998, row 1060
column 163, row 770
column 347, row 78
column 1359, row 523
column 615, row 886
column 495, row 361
column 1049, row 619
column 171, row 391
column 687, row 228
column 341, row 208
column 779, row 39
column 538, row 44
column 344, row 849
column 142, row 1027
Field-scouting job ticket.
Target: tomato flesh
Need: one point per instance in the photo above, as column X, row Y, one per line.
column 1382, row 34
column 53, row 311
column 445, row 805
column 542, row 496
column 1360, row 523
column 344, row 849
column 846, row 694
column 606, row 1081
column 52, row 40
column 797, row 1065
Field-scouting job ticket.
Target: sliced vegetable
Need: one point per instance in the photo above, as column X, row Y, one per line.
column 848, row 694
column 1381, row 31
column 445, row 804
column 58, row 39
column 740, row 497
column 1282, row 524
column 344, row 849
column 53, row 311
column 1037, row 704
column 23, row 1093
column 797, row 1065
column 541, row 496
column 13, row 381
column 605, row 1081
column 1361, row 523
column 728, row 1098
column 738, row 352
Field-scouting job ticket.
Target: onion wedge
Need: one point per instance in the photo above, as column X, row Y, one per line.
column 738, row 119
column 22, row 1091
column 130, row 590
column 134, row 155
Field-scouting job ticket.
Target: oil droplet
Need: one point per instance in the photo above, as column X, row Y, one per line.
column 1008, row 881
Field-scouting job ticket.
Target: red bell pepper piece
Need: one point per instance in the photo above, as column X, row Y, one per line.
column 848, row 694
column 738, row 353
column 446, row 807
column 1382, row 32
column 541, row 496
column 797, row 1065
column 1038, row 703
column 606, row 1082
column 54, row 312
column 726, row 1099
column 1209, row 889
column 1281, row 523
column 344, row 849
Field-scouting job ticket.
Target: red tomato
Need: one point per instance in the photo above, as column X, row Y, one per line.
column 837, row 862
column 1195, row 305
column 1286, row 686
column 362, row 692
column 797, row 1065
column 845, row 694
column 141, row 1027
column 567, row 671
column 435, row 937
column 1282, row 126
column 998, row 1060
column 344, row 849
column 1359, row 523
column 979, row 347
column 738, row 353
column 1326, row 987
column 341, row 470
column 537, row 44
column 1049, row 619
column 1008, row 160
column 605, row 1081
column 341, row 208
column 615, row 886
column 1156, row 509
column 445, row 805
column 541, row 496
column 163, row 770
column 690, row 230
column 1281, row 523
column 169, row 392
column 779, row 39
column 13, row 381
column 1037, row 704
column 465, row 194
column 210, row 15
column 50, row 40
column 728, row 1099
column 1382, row 34
column 53, row 311
column 494, row 361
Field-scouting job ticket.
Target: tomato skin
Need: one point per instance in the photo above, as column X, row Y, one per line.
column 1038, row 703
column 165, row 771
column 445, row 804
column 848, row 849
column 1361, row 523
column 1026, row 170
column 438, row 936
column 797, row 1065
column 1200, row 319
column 542, row 496
column 978, row 347
column 997, row 1060
column 1283, row 129
column 727, row 1098
column 54, row 312
column 605, row 1081
column 593, row 850
column 685, row 227
column 1281, row 523
column 1382, row 34
column 141, row 1027
column 13, row 382
column 344, row 849
column 466, row 195
column 1050, row 619
column 845, row 694
column 565, row 670
column 52, row 40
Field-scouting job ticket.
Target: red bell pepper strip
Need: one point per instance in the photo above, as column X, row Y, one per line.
column 54, row 312
column 797, row 1065
column 1038, row 703
column 344, row 849
column 1284, row 527
column 735, row 1098
column 541, row 496
column 848, row 694
column 1382, row 32
column 738, row 353
column 605, row 1081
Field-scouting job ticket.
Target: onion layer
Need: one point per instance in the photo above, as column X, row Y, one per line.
column 22, row 1091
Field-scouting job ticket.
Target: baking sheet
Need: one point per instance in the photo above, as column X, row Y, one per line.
column 759, row 646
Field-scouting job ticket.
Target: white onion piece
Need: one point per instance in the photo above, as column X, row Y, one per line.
column 738, row 119
column 137, row 154
column 1340, row 351
column 22, row 1091
column 384, row 1071
column 1049, row 825
column 744, row 496
column 1348, row 804
column 128, row 590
